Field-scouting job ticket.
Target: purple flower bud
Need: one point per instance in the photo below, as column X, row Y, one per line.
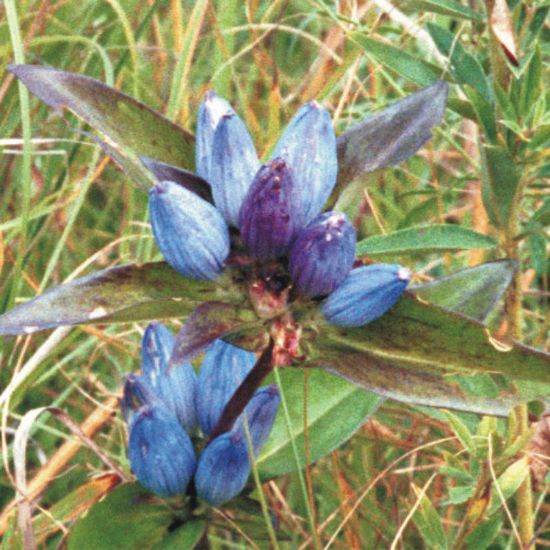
column 160, row 451
column 190, row 232
column 223, row 369
column 260, row 415
column 223, row 468
column 366, row 294
column 269, row 217
column 174, row 386
column 233, row 166
column 323, row 254
column 212, row 109
column 309, row 146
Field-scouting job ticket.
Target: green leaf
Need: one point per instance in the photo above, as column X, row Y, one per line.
column 484, row 534
column 485, row 113
column 428, row 523
column 185, row 537
column 448, row 7
column 129, row 518
column 509, row 482
column 500, row 181
column 380, row 140
column 465, row 68
column 413, row 352
column 412, row 68
column 335, row 410
column 119, row 294
column 126, row 128
column 424, row 238
column 539, row 256
column 462, row 432
column 473, row 291
column 531, row 84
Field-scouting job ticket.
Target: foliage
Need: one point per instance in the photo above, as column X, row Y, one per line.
column 468, row 214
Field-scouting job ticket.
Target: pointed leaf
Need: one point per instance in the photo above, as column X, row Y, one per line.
column 125, row 127
column 167, row 172
column 448, row 7
column 425, row 238
column 119, row 294
column 335, row 410
column 129, row 517
column 209, row 321
column 425, row 344
column 392, row 135
column 473, row 292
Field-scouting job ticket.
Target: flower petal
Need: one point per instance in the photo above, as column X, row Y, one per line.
column 136, row 394
column 160, row 452
column 309, row 146
column 223, row 469
column 190, row 232
column 323, row 254
column 223, row 369
column 175, row 386
column 366, row 294
column 233, row 166
column 210, row 112
column 269, row 217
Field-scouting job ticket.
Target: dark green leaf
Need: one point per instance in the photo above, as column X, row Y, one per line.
column 119, row 294
column 462, row 107
column 531, row 84
column 425, row 238
column 448, row 7
column 473, row 292
column 185, row 537
column 412, row 68
column 392, row 135
column 485, row 113
column 335, row 410
column 465, row 68
column 422, row 346
column 484, row 534
column 125, row 127
column 539, row 257
column 500, row 179
column 129, row 518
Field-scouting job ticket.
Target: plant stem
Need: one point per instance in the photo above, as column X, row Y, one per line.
column 239, row 400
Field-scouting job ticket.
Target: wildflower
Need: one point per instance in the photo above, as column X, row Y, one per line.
column 161, row 407
column 323, row 254
column 366, row 294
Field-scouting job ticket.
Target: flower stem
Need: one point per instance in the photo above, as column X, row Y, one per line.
column 243, row 394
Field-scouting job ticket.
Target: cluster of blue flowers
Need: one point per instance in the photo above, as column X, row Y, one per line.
column 167, row 409
column 276, row 209
column 273, row 214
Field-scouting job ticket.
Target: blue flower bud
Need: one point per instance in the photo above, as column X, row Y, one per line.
column 260, row 415
column 269, row 217
column 210, row 112
column 190, row 232
column 233, row 166
column 308, row 144
column 366, row 294
column 174, row 386
column 323, row 254
column 136, row 394
column 223, row 468
column 223, row 369
column 160, row 452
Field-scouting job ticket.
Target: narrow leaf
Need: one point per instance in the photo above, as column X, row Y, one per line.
column 473, row 291
column 509, row 482
column 448, row 7
column 462, row 432
column 119, row 294
column 413, row 68
column 185, row 537
column 428, row 522
column 335, row 410
column 392, row 135
column 125, row 127
column 209, row 321
column 425, row 238
column 465, row 68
